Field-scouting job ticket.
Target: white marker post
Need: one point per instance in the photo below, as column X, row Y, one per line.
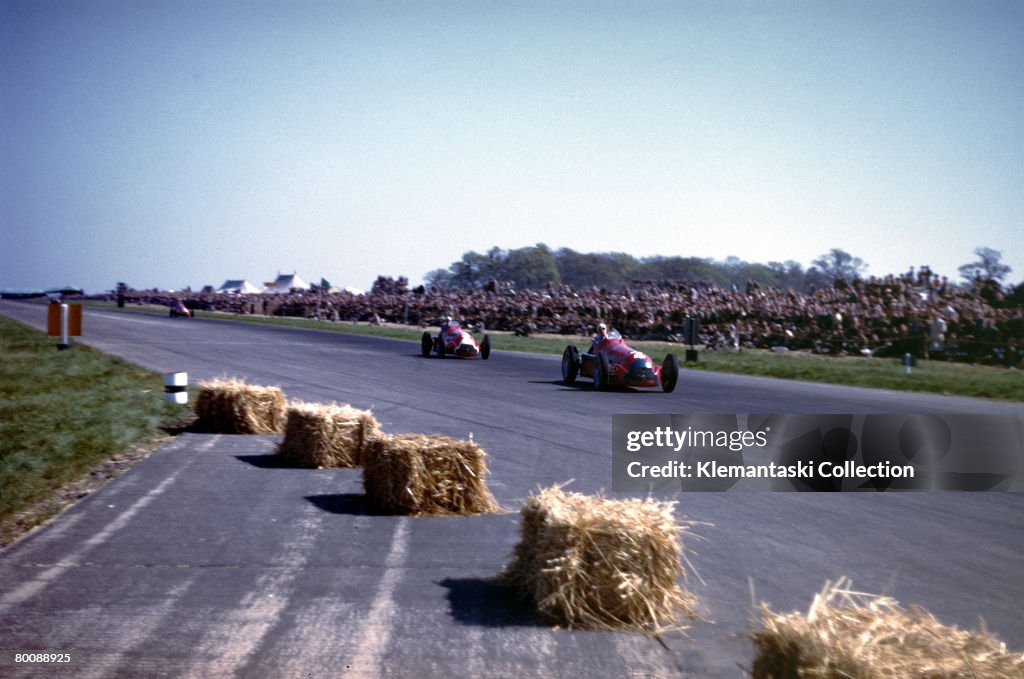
column 908, row 362
column 64, row 342
column 176, row 388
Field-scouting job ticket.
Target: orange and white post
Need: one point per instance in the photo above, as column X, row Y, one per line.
column 64, row 321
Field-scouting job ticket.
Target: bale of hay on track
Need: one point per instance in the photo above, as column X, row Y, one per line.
column 594, row 563
column 418, row 474
column 234, row 407
column 322, row 435
column 852, row 634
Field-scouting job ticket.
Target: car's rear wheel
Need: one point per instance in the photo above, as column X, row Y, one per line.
column 570, row 364
column 439, row 347
column 426, row 344
column 601, row 372
column 669, row 373
column 485, row 348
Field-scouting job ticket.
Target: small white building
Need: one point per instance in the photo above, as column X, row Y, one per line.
column 286, row 283
column 238, row 287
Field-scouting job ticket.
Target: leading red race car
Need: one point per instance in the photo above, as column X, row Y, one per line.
column 612, row 363
column 453, row 340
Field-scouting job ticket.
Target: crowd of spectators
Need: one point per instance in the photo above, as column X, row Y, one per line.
column 921, row 314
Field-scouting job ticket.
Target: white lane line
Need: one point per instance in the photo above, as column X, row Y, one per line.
column 227, row 647
column 377, row 627
column 55, row 528
column 315, row 642
column 129, row 632
column 29, row 589
column 476, row 663
column 51, row 532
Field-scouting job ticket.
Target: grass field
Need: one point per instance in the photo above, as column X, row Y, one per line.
column 63, row 413
column 936, row 377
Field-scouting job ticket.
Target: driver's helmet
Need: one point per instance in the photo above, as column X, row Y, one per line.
column 602, row 329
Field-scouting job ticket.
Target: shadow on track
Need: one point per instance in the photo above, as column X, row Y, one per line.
column 272, row 461
column 485, row 602
column 351, row 504
column 586, row 387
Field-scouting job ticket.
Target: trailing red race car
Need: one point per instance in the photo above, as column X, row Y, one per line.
column 453, row 340
column 179, row 309
column 612, row 363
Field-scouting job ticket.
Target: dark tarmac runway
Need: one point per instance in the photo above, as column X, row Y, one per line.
column 208, row 559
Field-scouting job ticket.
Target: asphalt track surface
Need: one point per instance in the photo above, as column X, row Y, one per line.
column 208, row 559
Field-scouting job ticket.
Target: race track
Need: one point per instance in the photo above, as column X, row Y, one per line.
column 208, row 559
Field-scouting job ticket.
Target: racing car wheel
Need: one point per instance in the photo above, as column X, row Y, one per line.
column 601, row 372
column 570, row 364
column 669, row 373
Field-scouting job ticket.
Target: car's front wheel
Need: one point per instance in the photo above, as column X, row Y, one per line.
column 570, row 364
column 669, row 373
column 601, row 372
column 426, row 344
column 485, row 348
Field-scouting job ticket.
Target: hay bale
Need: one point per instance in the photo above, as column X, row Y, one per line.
column 320, row 435
column 234, row 407
column 852, row 634
column 594, row 563
column 419, row 474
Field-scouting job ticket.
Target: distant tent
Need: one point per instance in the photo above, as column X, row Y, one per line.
column 287, row 283
column 239, row 287
column 21, row 293
column 65, row 290
column 29, row 293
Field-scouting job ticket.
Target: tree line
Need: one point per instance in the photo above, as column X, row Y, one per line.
column 539, row 266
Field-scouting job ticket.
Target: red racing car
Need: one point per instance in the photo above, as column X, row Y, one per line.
column 179, row 309
column 453, row 340
column 612, row 363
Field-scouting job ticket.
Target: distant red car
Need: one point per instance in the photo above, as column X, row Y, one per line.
column 453, row 340
column 179, row 309
column 612, row 363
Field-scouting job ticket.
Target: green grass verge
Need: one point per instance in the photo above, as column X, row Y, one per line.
column 62, row 413
column 937, row 377
column 954, row 379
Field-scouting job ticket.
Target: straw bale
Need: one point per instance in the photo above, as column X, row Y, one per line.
column 234, row 407
column 326, row 435
column 419, row 474
column 853, row 634
column 594, row 563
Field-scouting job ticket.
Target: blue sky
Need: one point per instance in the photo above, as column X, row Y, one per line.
column 172, row 144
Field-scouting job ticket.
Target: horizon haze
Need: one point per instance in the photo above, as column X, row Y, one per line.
column 175, row 145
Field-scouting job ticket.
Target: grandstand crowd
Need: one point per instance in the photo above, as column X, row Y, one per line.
column 921, row 314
